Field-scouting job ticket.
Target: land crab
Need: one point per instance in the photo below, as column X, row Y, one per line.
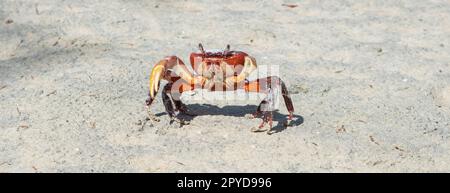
column 214, row 71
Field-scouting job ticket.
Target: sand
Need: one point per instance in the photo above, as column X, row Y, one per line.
column 370, row 81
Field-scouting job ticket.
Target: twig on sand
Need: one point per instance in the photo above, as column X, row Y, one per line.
column 398, row 148
column 433, row 130
column 92, row 94
column 180, row 163
column 373, row 140
column 23, row 125
column 36, row 9
column 289, row 5
column 17, row 108
column 53, row 92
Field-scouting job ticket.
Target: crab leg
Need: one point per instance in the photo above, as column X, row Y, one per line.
column 172, row 104
column 269, row 85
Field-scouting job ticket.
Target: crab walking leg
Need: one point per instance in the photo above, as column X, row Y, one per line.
column 167, row 100
column 171, row 98
column 174, row 91
column 269, row 86
column 170, row 104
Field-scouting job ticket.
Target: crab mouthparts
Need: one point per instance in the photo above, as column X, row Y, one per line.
column 215, row 76
column 215, row 73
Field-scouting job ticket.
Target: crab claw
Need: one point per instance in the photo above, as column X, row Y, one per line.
column 155, row 78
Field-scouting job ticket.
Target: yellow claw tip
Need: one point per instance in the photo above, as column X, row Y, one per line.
column 155, row 77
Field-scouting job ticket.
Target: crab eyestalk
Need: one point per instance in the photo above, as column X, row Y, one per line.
column 200, row 47
column 227, row 49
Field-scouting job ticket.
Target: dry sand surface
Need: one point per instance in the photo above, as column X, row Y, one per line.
column 370, row 82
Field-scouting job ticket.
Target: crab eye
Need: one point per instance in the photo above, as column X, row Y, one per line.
column 200, row 47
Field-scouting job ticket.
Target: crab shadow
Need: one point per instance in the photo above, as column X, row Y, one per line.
column 237, row 111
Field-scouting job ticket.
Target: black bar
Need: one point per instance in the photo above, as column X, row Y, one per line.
column 225, row 182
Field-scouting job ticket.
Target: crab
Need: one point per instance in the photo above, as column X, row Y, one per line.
column 222, row 70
